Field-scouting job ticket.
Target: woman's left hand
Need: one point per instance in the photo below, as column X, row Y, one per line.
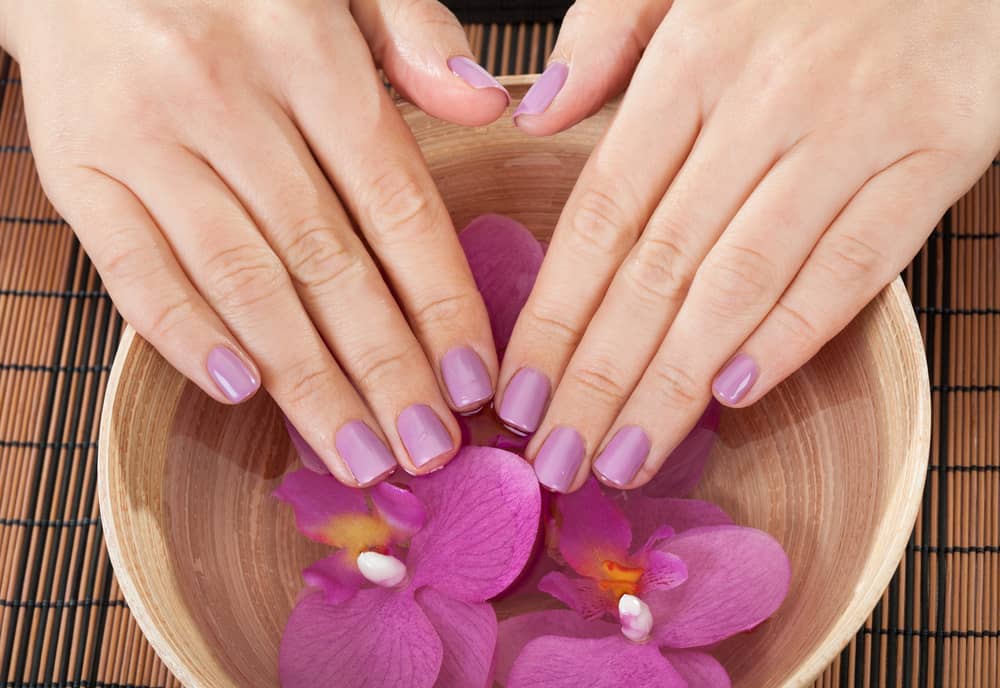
column 771, row 168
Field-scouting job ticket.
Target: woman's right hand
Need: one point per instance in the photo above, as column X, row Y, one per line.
column 214, row 162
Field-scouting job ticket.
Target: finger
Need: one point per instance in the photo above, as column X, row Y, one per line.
column 864, row 250
column 736, row 285
column 243, row 280
column 621, row 183
column 341, row 286
column 598, row 48
column 149, row 288
column 379, row 174
column 653, row 281
column 426, row 56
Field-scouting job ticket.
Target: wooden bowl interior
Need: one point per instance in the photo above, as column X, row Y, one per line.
column 831, row 463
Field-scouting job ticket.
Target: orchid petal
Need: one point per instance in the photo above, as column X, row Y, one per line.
column 505, row 258
column 398, row 507
column 483, row 514
column 337, row 576
column 659, row 535
column 560, row 662
column 682, row 470
column 310, row 459
column 648, row 514
column 663, row 571
column 518, row 631
column 699, row 669
column 468, row 633
column 591, row 530
column 328, row 511
column 579, row 594
column 342, row 645
column 737, row 578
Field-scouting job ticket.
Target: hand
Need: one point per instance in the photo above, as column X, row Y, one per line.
column 771, row 168
column 211, row 157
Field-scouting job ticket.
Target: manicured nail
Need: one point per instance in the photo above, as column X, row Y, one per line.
column 364, row 453
column 472, row 73
column 559, row 459
column 310, row 459
column 466, row 378
column 524, row 401
column 231, row 374
column 424, row 435
column 543, row 92
column 624, row 455
column 736, row 379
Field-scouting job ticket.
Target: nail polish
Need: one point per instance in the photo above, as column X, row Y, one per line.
column 624, row 455
column 310, row 459
column 424, row 435
column 472, row 73
column 233, row 377
column 466, row 378
column 543, row 92
column 524, row 400
column 559, row 459
column 736, row 379
column 365, row 454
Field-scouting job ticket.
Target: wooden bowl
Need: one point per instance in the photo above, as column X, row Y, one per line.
column 832, row 463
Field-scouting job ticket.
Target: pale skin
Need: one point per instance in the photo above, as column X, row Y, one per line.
column 772, row 166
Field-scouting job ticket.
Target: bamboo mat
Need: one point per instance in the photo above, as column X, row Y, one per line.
column 63, row 622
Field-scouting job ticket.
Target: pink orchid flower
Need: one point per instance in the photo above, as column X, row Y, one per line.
column 690, row 585
column 404, row 595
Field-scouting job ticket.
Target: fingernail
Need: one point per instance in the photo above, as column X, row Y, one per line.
column 424, row 435
column 524, row 401
column 233, row 377
column 543, row 92
column 310, row 459
column 365, row 454
column 736, row 379
column 624, row 455
column 466, row 378
column 472, row 73
column 559, row 459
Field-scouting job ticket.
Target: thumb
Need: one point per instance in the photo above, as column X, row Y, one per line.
column 599, row 46
column 424, row 52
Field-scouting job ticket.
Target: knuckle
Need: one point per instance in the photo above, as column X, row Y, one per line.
column 738, row 279
column 384, row 363
column 401, row 207
column 853, row 259
column 244, row 275
column 673, row 386
column 318, row 257
column 305, row 381
column 124, row 255
column 444, row 310
column 599, row 223
column 167, row 316
column 600, row 379
column 660, row 269
column 795, row 325
column 550, row 323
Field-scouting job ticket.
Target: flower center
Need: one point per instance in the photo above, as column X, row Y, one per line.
column 618, row 579
column 381, row 569
column 636, row 618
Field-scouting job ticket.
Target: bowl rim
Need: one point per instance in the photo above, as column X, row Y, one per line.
column 859, row 606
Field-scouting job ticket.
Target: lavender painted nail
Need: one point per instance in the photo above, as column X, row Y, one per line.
column 424, row 435
column 559, row 459
column 310, row 459
column 624, row 455
column 472, row 73
column 466, row 378
column 365, row 454
column 543, row 92
column 736, row 379
column 524, row 401
column 233, row 377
